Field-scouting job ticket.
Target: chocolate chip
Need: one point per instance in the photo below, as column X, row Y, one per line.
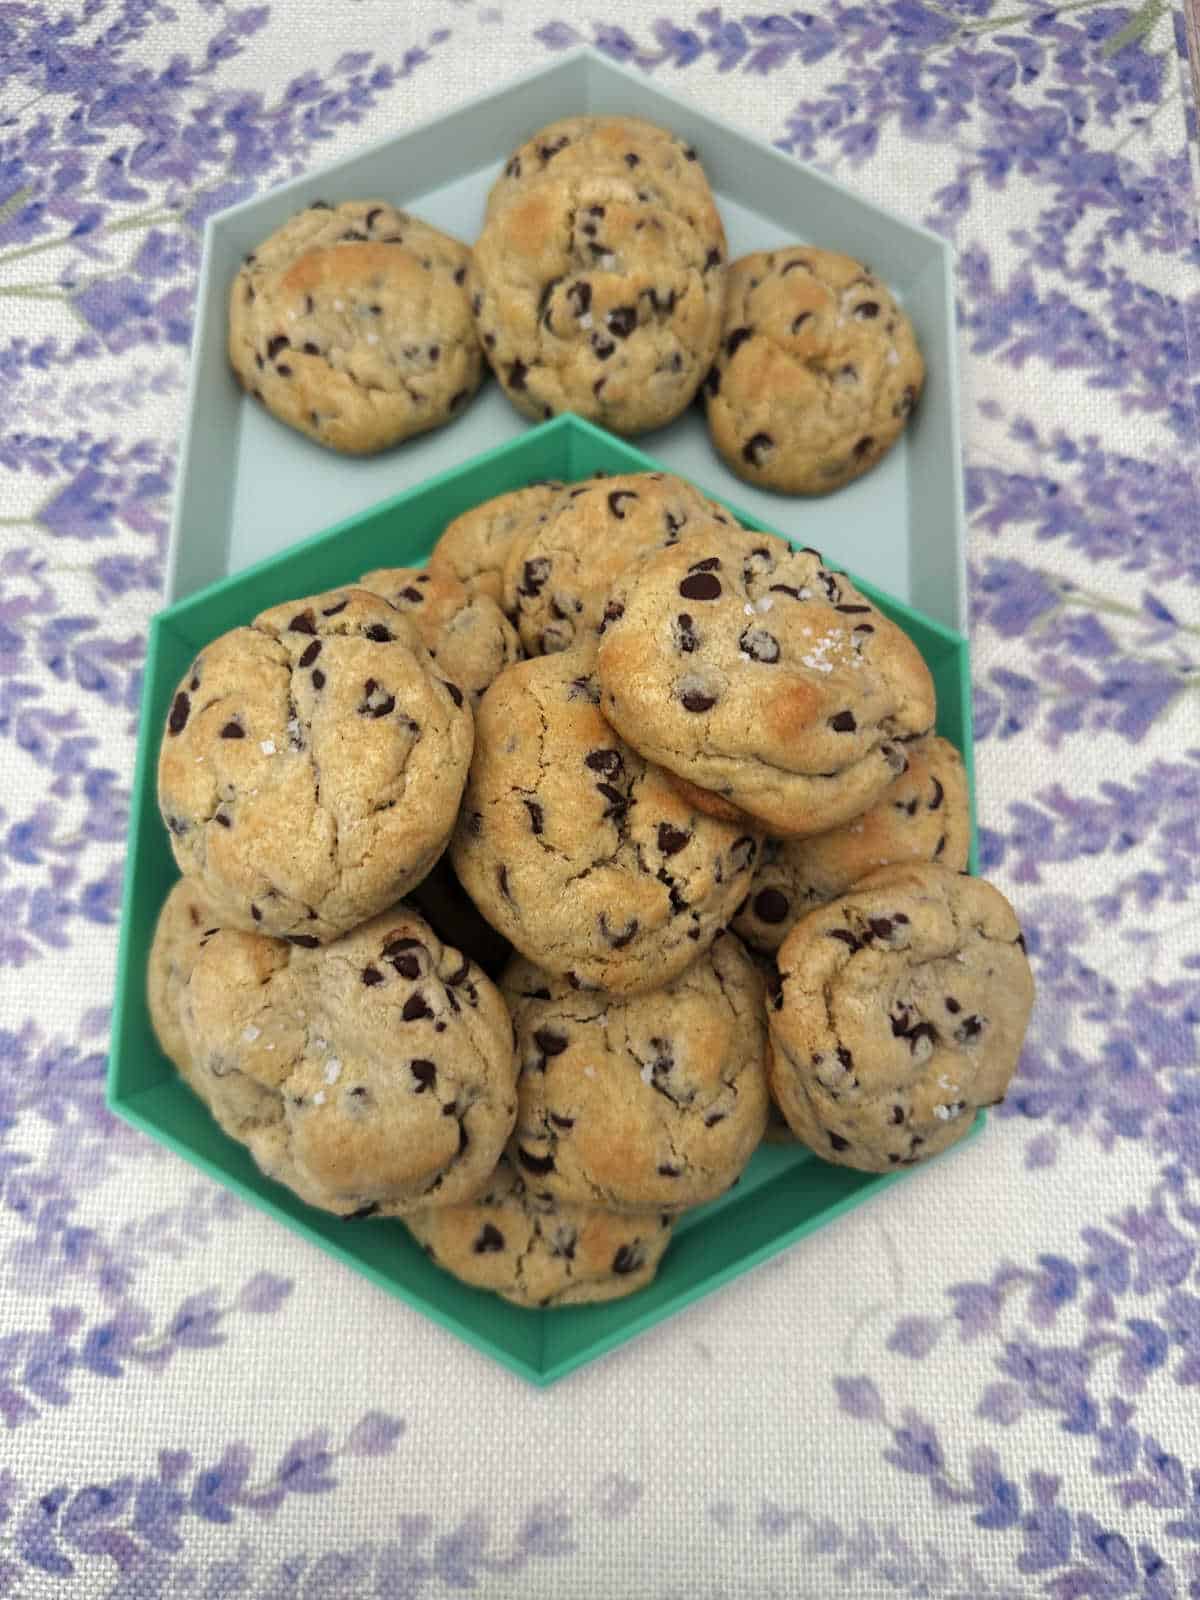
column 969, row 1029
column 880, row 927
column 771, row 905
column 736, row 338
column 621, row 937
column 939, row 794
column 798, row 322
column 540, row 1166
column 415, row 1008
column 606, row 761
column 602, row 348
column 686, row 638
column 376, row 702
column 631, row 160
column 666, row 1170
column 371, row 976
column 318, row 678
column 536, row 815
column 1020, row 940
column 712, row 382
column 460, row 276
column 628, row 1258
column 549, row 1041
column 279, row 342
column 502, row 880
column 332, row 611
column 534, row 576
column 701, row 586
column 843, row 722
column 952, row 1005
column 407, row 964
column 694, row 700
column 713, row 1117
column 454, row 691
column 613, row 612
column 759, row 645
column 580, row 296
column 354, row 236
column 867, row 309
column 939, row 847
column 897, row 1115
column 377, row 634
column 311, row 652
column 622, row 320
column 864, row 447
column 517, row 374
column 223, row 818
column 256, row 913
column 424, row 1072
column 845, row 936
column 362, row 1213
column 181, row 708
column 905, row 403
column 838, row 1143
column 311, row 349
column 671, row 840
column 304, row 940
column 565, row 1123
column 302, row 622
column 712, row 259
column 513, row 169
column 756, row 447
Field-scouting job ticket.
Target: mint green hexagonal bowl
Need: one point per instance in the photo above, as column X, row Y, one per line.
column 784, row 1194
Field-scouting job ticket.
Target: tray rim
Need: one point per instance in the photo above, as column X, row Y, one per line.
column 590, row 58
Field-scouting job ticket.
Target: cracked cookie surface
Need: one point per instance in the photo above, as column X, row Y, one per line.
column 766, row 684
column 367, row 1075
column 902, row 1010
column 474, row 547
column 352, row 325
column 816, row 373
column 312, row 764
column 557, row 575
column 538, row 1253
column 925, row 815
column 598, row 280
column 580, row 852
column 468, row 636
column 653, row 1102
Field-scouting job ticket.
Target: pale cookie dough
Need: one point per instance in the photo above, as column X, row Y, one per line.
column 557, row 576
column 598, row 281
column 903, row 1009
column 764, row 682
column 924, row 816
column 468, row 636
column 311, row 766
column 582, row 854
column 656, row 1102
column 540, row 1254
column 474, row 547
column 816, row 374
column 352, row 324
column 368, row 1076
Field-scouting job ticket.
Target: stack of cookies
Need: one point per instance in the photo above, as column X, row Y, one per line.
column 600, row 284
column 524, row 894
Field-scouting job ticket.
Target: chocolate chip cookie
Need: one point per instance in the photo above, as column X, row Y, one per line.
column 580, row 852
column 903, row 1008
column 311, row 766
column 368, row 1076
column 598, row 280
column 557, row 575
column 654, row 1102
column 816, row 374
column 538, row 1253
column 352, row 324
column 925, row 815
column 468, row 636
column 763, row 681
column 474, row 547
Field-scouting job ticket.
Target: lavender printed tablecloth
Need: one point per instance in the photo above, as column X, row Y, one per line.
column 987, row 1384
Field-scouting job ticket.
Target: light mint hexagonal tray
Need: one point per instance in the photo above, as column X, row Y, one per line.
column 250, row 487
